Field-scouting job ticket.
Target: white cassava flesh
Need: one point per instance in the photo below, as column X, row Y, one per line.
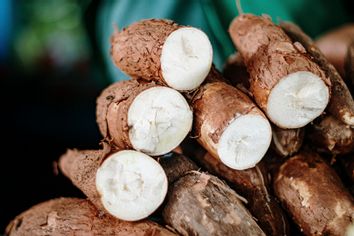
column 297, row 100
column 245, row 141
column 186, row 58
column 159, row 119
column 132, row 185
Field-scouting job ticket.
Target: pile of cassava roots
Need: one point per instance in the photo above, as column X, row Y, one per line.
column 263, row 148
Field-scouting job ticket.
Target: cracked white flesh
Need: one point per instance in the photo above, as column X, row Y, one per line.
column 132, row 185
column 186, row 58
column 297, row 100
column 159, row 119
column 245, row 141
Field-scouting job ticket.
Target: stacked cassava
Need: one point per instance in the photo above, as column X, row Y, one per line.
column 178, row 117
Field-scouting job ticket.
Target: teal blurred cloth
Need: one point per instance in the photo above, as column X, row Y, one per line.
column 214, row 17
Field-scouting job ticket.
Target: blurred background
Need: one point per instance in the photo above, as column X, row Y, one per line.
column 50, row 79
column 54, row 61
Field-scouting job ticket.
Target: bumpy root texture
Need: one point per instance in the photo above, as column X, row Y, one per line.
column 112, row 110
column 201, row 204
column 285, row 142
column 252, row 184
column 341, row 104
column 73, row 216
column 142, row 116
column 127, row 184
column 334, row 45
column 176, row 165
column 287, row 85
column 229, row 125
column 331, row 136
column 161, row 50
column 314, row 196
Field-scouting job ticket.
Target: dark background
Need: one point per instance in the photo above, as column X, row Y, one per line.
column 50, row 77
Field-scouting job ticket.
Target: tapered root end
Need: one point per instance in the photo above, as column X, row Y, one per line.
column 159, row 119
column 245, row 141
column 132, row 185
column 186, row 58
column 297, row 100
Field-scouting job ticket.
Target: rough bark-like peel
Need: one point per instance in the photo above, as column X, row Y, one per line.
column 73, row 216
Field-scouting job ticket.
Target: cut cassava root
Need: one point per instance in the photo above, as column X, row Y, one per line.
column 341, row 104
column 161, row 50
column 290, row 88
column 149, row 118
column 285, row 142
column 73, row 216
column 314, row 196
column 127, row 184
column 229, row 125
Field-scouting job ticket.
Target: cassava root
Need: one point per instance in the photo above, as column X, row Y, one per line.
column 201, row 204
column 332, row 136
column 229, row 125
column 341, row 104
column 286, row 84
column 163, row 51
column 127, row 184
column 149, row 118
column 285, row 142
column 252, row 184
column 73, row 216
column 314, row 196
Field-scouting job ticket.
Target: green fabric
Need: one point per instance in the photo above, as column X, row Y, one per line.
column 214, row 17
column 125, row 12
column 313, row 16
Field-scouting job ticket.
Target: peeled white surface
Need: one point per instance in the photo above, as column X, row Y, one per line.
column 159, row 119
column 186, row 58
column 245, row 141
column 297, row 100
column 132, row 185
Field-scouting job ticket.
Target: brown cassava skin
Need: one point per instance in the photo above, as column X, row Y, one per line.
column 176, row 165
column 331, row 136
column 214, row 106
column 341, row 104
column 349, row 65
column 136, row 50
column 287, row 142
column 334, row 45
column 269, row 55
column 314, row 196
column 201, row 204
column 252, row 184
column 73, row 216
column 112, row 111
column 235, row 71
column 81, row 168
